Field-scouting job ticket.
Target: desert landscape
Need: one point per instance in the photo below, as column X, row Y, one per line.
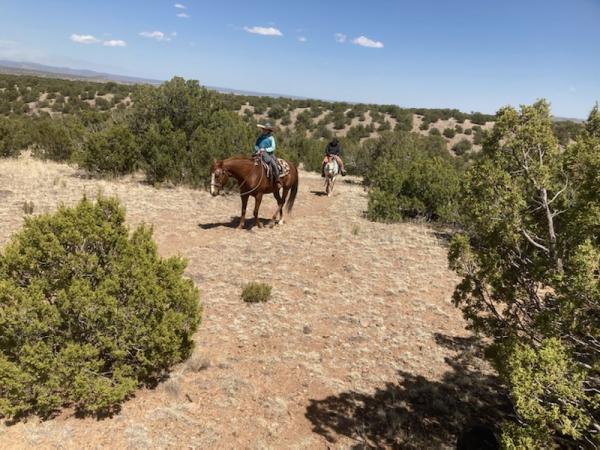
column 359, row 345
column 435, row 280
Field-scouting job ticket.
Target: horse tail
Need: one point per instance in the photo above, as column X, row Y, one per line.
column 293, row 193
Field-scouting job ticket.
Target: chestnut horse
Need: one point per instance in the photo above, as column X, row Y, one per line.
column 253, row 181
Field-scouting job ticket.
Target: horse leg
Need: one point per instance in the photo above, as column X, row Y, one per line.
column 243, row 216
column 257, row 201
column 279, row 206
column 283, row 199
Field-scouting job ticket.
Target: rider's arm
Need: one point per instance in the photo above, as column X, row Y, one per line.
column 269, row 144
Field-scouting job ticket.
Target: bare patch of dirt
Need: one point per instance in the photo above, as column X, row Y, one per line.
column 352, row 349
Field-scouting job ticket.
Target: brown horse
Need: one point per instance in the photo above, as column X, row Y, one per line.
column 253, row 181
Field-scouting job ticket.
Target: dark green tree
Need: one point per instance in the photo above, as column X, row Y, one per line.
column 88, row 312
column 530, row 258
column 111, row 151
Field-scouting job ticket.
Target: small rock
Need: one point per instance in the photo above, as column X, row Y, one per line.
column 307, row 329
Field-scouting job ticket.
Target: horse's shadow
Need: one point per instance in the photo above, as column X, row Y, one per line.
column 319, row 193
column 233, row 223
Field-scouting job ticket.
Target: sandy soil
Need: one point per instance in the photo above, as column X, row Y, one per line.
column 359, row 346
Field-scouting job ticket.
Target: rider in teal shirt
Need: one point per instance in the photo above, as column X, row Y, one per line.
column 265, row 146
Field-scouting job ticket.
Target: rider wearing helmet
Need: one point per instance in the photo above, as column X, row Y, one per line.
column 333, row 149
column 265, row 147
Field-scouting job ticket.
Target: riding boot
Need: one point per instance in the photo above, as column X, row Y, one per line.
column 323, row 170
column 277, row 178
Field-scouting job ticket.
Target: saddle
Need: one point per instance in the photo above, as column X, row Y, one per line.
column 284, row 167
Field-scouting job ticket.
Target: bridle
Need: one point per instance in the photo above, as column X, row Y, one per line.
column 214, row 183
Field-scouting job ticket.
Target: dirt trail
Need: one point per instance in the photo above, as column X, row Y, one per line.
column 357, row 306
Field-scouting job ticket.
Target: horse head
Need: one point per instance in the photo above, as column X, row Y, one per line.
column 218, row 177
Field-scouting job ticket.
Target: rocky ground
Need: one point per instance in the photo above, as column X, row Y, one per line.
column 359, row 346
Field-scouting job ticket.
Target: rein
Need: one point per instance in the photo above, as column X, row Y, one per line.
column 262, row 175
column 213, row 182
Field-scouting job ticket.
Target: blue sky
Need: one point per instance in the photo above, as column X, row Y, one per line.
column 471, row 55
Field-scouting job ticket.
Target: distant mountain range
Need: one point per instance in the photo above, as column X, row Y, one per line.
column 30, row 68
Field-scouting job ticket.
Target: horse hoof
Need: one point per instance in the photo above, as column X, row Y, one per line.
column 281, row 222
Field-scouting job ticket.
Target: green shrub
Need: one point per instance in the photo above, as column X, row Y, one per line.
column 566, row 131
column 462, row 147
column 458, row 129
column 434, row 132
column 88, row 312
column 163, row 150
column 276, row 112
column 111, row 151
column 339, row 124
column 256, row 292
column 56, row 139
column 8, row 138
column 468, row 131
column 478, row 136
column 323, row 132
column 221, row 135
column 384, row 206
column 479, row 118
column 411, row 176
column 449, row 133
column 384, row 126
column 102, row 104
column 182, row 127
column 286, row 120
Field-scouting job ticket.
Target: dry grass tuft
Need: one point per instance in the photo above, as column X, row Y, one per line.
column 173, row 386
column 197, row 363
column 256, row 292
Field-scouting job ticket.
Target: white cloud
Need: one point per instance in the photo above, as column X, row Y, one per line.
column 174, row 34
column 179, row 6
column 89, row 39
column 157, row 35
column 115, row 43
column 366, row 42
column 302, row 39
column 264, row 31
column 572, row 89
column 84, row 39
column 183, row 15
column 339, row 37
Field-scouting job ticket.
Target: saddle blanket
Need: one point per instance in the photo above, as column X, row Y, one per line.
column 284, row 167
